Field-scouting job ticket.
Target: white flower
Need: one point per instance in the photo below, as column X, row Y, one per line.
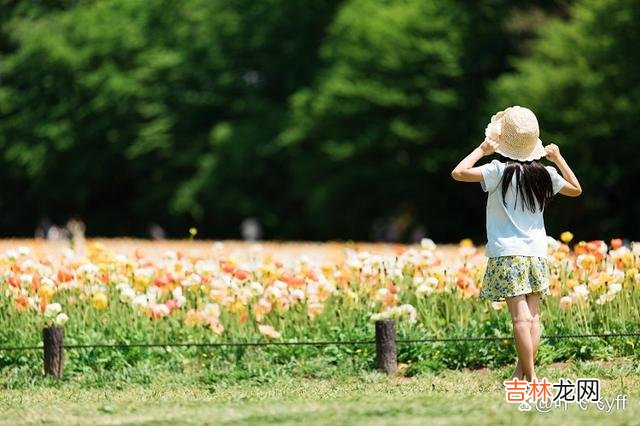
column 24, row 251
column 161, row 310
column 618, row 275
column 68, row 253
column 580, row 293
column 405, row 311
column 614, row 288
column 170, row 255
column 191, row 280
column 380, row 316
column 296, row 294
column 604, row 298
column 432, row 281
column 408, row 312
column 354, row 263
column 152, row 294
column 427, row 244
column 273, row 292
column 256, row 288
column 603, row 247
column 367, row 269
column 140, row 301
column 26, row 279
column 29, row 264
column 381, row 293
column 205, row 267
column 11, row 254
column 179, row 298
column 553, row 244
column 61, row 319
column 498, row 305
column 127, row 295
column 424, row 290
column 47, row 281
column 212, row 310
column 52, row 310
column 146, row 273
column 88, row 269
column 34, row 301
column 176, row 292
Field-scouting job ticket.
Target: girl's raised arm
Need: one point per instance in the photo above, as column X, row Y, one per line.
column 572, row 188
column 464, row 171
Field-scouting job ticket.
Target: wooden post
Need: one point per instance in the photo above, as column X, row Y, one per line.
column 53, row 338
column 386, row 357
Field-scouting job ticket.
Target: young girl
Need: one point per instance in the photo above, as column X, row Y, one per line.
column 519, row 187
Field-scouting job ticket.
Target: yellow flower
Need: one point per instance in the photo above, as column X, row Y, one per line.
column 99, row 301
column 467, row 242
column 566, row 237
column 571, row 283
column 559, row 255
column 46, row 292
column 237, row 307
column 193, row 231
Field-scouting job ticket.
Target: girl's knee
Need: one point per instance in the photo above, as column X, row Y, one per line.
column 522, row 318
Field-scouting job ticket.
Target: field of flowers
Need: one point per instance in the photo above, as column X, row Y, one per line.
column 119, row 291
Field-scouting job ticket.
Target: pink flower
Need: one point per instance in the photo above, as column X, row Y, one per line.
column 268, row 331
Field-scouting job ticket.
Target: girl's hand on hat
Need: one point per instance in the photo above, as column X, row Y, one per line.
column 488, row 147
column 553, row 152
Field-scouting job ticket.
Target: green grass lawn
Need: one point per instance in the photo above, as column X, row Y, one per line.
column 371, row 398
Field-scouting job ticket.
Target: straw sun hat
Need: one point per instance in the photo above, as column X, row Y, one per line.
column 516, row 132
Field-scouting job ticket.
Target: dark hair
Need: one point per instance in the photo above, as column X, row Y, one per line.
column 533, row 183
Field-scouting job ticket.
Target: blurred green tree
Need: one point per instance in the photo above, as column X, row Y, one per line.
column 131, row 112
column 395, row 105
column 582, row 79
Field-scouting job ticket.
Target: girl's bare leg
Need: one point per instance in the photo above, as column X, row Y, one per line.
column 522, row 323
column 533, row 301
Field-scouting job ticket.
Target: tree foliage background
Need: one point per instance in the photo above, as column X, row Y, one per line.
column 326, row 119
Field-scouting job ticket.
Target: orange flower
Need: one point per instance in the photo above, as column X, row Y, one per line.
column 241, row 274
column 226, row 267
column 14, row 281
column 65, row 275
column 35, row 282
column 312, row 275
column 616, row 243
column 22, row 302
column 389, row 299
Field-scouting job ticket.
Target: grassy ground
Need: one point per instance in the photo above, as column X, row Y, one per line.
column 449, row 397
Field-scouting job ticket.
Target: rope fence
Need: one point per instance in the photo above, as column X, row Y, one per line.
column 310, row 343
column 385, row 341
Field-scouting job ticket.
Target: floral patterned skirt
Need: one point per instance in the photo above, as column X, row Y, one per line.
column 509, row 276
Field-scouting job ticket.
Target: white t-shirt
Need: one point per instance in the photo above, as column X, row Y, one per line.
column 513, row 231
